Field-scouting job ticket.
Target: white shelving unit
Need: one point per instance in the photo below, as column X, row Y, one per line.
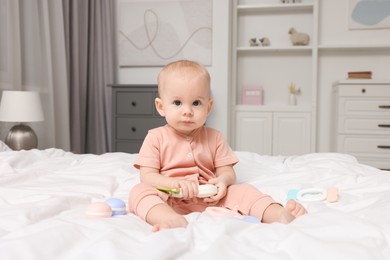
column 275, row 127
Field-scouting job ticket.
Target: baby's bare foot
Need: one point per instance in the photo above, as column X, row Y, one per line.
column 174, row 223
column 292, row 210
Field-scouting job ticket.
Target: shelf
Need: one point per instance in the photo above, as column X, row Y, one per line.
column 309, row 47
column 274, row 67
column 273, row 49
column 277, row 7
column 363, row 81
column 353, row 46
column 267, row 108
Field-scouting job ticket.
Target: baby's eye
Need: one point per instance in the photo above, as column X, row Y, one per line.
column 177, row 102
column 197, row 103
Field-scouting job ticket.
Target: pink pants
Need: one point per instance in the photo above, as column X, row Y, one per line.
column 242, row 197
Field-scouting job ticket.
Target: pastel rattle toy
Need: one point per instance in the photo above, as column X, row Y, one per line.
column 314, row 194
column 333, row 194
column 204, row 191
column 118, row 206
column 98, row 210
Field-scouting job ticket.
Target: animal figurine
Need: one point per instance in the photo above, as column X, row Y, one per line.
column 289, row 1
column 253, row 42
column 265, row 41
column 298, row 38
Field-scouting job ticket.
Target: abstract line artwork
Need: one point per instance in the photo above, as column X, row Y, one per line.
column 154, row 33
column 369, row 14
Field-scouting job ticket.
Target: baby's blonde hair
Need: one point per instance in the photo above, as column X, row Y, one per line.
column 183, row 68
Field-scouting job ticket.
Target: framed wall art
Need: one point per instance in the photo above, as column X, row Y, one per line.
column 369, row 14
column 154, row 33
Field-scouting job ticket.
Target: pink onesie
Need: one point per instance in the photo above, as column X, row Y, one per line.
column 192, row 157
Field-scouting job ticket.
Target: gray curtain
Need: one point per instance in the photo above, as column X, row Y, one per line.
column 90, row 35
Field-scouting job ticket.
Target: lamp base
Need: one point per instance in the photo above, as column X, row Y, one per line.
column 21, row 137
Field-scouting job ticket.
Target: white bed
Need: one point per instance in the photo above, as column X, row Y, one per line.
column 44, row 195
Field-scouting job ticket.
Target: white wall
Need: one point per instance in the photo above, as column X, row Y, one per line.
column 219, row 71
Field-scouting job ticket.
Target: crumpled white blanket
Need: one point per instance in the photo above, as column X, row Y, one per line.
column 44, row 195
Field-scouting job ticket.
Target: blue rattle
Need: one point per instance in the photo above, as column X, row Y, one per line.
column 118, row 206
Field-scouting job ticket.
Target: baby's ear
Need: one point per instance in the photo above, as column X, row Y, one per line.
column 210, row 105
column 159, row 106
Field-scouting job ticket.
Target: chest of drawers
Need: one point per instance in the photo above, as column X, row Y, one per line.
column 362, row 115
column 133, row 114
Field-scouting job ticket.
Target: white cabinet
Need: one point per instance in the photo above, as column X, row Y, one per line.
column 273, row 133
column 254, row 132
column 274, row 127
column 291, row 133
column 362, row 116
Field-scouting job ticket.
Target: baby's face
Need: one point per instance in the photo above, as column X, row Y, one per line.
column 184, row 102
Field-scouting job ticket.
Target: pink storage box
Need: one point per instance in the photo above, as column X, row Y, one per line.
column 252, row 95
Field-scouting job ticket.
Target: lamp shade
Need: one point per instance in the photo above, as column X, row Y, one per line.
column 21, row 106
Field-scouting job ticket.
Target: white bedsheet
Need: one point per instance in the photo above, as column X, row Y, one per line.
column 44, row 194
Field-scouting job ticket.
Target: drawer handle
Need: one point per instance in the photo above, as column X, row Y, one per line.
column 383, row 146
column 133, row 103
column 383, row 125
column 384, row 106
column 133, row 129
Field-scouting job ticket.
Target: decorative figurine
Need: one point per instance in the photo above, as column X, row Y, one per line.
column 298, row 38
column 253, row 42
column 265, row 41
column 293, row 94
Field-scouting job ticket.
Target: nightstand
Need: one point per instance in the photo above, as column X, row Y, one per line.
column 133, row 115
column 362, row 116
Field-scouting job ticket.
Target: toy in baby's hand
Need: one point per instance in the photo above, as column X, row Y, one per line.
column 298, row 38
column 110, row 207
column 204, row 191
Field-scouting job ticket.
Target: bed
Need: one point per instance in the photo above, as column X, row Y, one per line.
column 44, row 195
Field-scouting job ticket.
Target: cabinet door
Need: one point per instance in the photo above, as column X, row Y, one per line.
column 291, row 133
column 254, row 132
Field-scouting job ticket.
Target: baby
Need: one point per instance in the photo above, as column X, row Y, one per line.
column 185, row 153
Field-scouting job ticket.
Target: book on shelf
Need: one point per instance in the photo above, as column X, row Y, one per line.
column 360, row 75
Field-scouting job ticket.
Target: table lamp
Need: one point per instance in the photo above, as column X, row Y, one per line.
column 21, row 107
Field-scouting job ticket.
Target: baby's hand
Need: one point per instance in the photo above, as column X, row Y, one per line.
column 189, row 189
column 222, row 190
